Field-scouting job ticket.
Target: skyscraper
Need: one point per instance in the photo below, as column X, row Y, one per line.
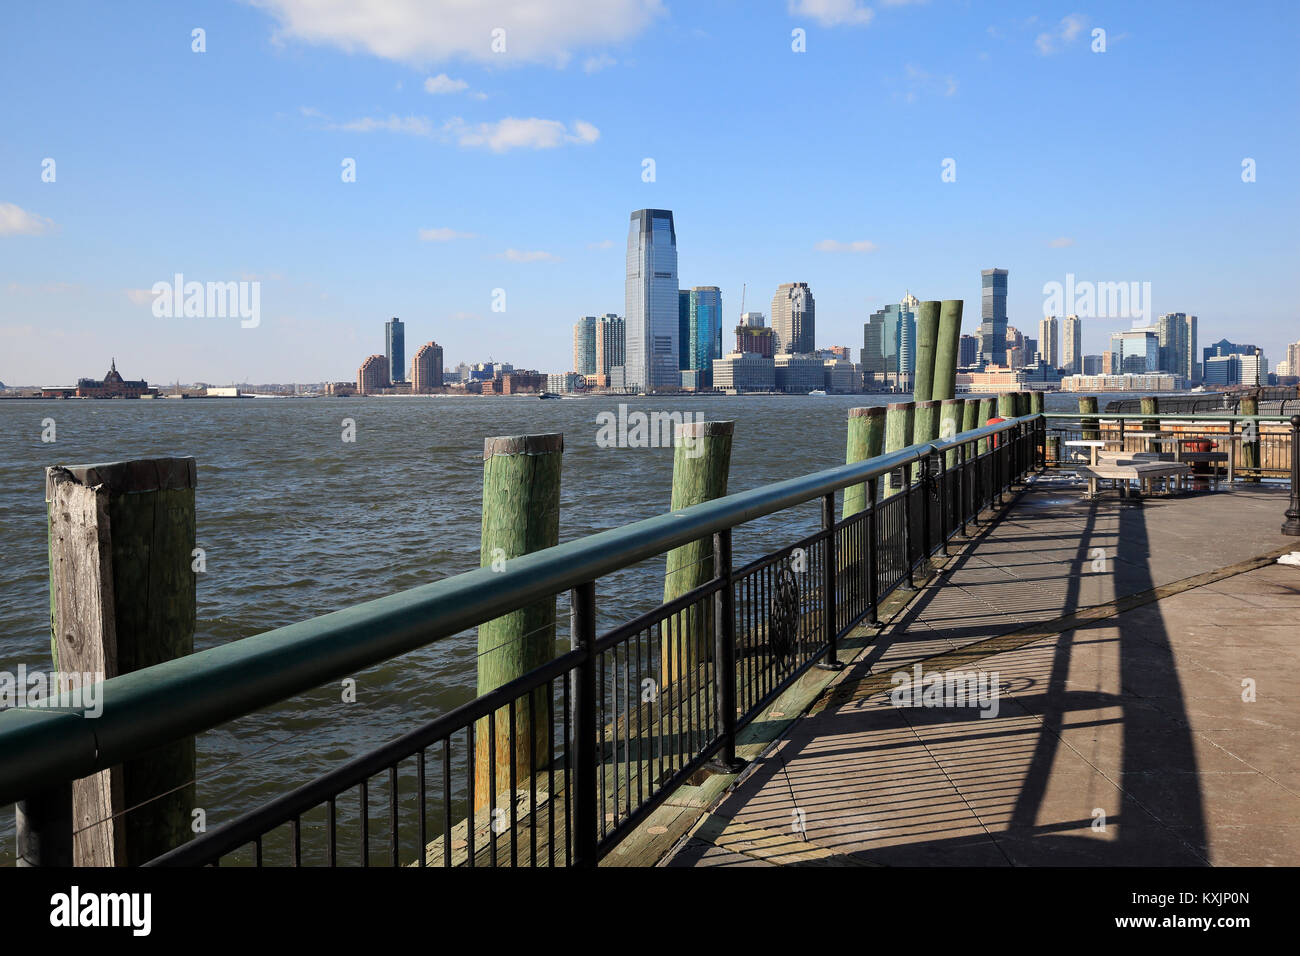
column 652, row 301
column 372, row 376
column 993, row 312
column 1072, row 341
column 888, row 339
column 395, row 348
column 1176, row 332
column 426, row 369
column 1136, row 351
column 794, row 318
column 584, row 345
column 1049, row 340
column 705, row 327
column 684, row 328
column 610, row 342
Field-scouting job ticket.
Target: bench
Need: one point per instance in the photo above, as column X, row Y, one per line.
column 1145, row 471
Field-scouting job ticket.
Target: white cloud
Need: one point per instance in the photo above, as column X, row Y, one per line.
column 832, row 13
column 140, row 296
column 1066, row 32
column 16, row 221
column 594, row 64
column 1061, row 243
column 603, row 244
column 425, row 31
column 519, row 255
column 410, row 125
column 834, row 245
column 513, row 133
column 442, row 83
column 443, row 235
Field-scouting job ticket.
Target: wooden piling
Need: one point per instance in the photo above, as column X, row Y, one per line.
column 951, row 413
column 1087, row 412
column 899, row 418
column 521, row 514
column 122, row 598
column 927, row 334
column 946, row 348
column 701, row 465
column 970, row 415
column 1007, row 404
column 866, row 439
column 1150, row 406
column 988, row 407
column 925, row 427
column 1036, row 400
column 1250, row 447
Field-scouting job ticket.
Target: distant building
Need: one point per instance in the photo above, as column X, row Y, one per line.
column 1236, row 369
column 1137, row 351
column 1049, row 341
column 703, row 330
column 889, row 341
column 1224, row 347
column 112, row 385
column 798, row 373
column 584, row 345
column 611, row 332
column 968, row 351
column 562, row 383
column 840, row 352
column 840, row 376
column 1072, row 345
column 683, row 328
column 652, row 302
column 1148, row 382
column 744, row 372
column 340, row 389
column 515, row 383
column 426, row 369
column 1176, row 338
column 759, row 340
column 372, row 376
column 1091, row 365
column 395, row 348
column 993, row 312
column 794, row 318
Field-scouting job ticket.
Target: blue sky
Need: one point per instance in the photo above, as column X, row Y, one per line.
column 479, row 170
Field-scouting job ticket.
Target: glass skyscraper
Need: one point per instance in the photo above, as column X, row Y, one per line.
column 888, row 339
column 652, row 300
column 395, row 348
column 993, row 312
column 704, row 328
column 584, row 345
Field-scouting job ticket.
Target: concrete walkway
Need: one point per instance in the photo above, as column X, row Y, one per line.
column 1148, row 714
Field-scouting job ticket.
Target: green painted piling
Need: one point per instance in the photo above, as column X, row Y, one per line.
column 925, row 427
column 970, row 415
column 951, row 414
column 927, row 334
column 988, row 407
column 1087, row 413
column 1036, row 400
column 1150, row 406
column 866, row 439
column 1007, row 405
column 944, row 385
column 1250, row 458
column 701, row 465
column 521, row 514
column 123, row 572
column 899, row 418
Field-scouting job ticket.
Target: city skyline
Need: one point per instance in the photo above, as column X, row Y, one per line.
column 248, row 181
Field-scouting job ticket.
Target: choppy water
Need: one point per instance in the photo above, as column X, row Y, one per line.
column 296, row 522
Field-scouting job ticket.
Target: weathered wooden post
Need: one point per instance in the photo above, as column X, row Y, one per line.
column 122, row 597
column 1250, row 459
column 927, row 334
column 1035, row 402
column 946, row 348
column 970, row 415
column 1088, row 409
column 1007, row 404
column 951, row 413
column 701, row 465
column 899, row 418
column 866, row 439
column 521, row 514
column 988, row 405
column 925, row 427
column 1150, row 406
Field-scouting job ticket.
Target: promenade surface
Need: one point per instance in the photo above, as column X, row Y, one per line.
column 1124, row 636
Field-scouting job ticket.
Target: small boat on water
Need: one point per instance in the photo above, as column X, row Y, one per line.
column 548, row 395
column 818, row 391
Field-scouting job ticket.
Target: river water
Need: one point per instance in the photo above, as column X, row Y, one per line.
column 296, row 522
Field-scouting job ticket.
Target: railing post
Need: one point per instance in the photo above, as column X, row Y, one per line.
column 961, row 484
column 585, row 769
column 873, row 541
column 926, row 485
column 724, row 654
column 945, row 489
column 1292, row 523
column 907, row 526
column 43, row 825
column 832, row 661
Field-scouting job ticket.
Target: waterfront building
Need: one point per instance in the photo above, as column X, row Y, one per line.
column 1127, row 382
column 112, row 385
column 1072, row 345
column 993, row 312
column 683, row 328
column 798, row 374
column 794, row 318
column 841, row 376
column 1176, row 335
column 1091, row 365
column 372, row 376
column 888, row 341
column 426, row 369
column 704, row 328
column 968, row 351
column 395, row 348
column 562, row 383
column 652, row 301
column 611, row 338
column 584, row 345
column 744, row 372
column 1049, row 341
column 755, row 338
column 1136, row 351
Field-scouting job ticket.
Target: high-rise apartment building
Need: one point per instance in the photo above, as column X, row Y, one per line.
column 993, row 312
column 704, row 329
column 888, row 340
column 1136, row 351
column 584, row 345
column 652, row 302
column 1176, row 334
column 683, row 328
column 968, row 351
column 611, row 336
column 372, row 376
column 426, row 369
column 395, row 348
column 753, row 337
column 1092, row 364
column 794, row 318
column 1072, row 345
column 1049, row 340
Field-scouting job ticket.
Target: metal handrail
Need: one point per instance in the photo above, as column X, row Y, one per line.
column 1166, row 416
column 176, row 699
